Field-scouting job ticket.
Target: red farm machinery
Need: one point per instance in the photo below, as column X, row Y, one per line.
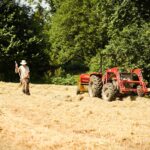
column 112, row 83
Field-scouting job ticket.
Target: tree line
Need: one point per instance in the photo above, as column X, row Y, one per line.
column 70, row 36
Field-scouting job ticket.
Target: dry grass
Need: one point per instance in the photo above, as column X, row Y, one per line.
column 54, row 118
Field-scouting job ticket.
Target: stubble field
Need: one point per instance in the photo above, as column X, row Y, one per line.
column 55, row 118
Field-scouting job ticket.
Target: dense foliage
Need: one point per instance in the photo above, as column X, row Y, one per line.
column 70, row 36
column 21, row 37
column 83, row 29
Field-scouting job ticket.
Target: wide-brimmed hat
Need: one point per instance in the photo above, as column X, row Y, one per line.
column 23, row 62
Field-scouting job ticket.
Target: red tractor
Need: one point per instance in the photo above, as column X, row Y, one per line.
column 113, row 82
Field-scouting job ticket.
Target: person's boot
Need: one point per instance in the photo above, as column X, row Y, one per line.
column 24, row 91
column 27, row 92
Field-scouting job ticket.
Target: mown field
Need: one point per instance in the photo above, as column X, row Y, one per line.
column 55, row 118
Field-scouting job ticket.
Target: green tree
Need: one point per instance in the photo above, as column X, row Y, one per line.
column 128, row 32
column 20, row 38
column 81, row 29
column 77, row 31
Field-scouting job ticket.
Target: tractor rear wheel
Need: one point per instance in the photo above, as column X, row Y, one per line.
column 108, row 92
column 140, row 91
column 95, row 86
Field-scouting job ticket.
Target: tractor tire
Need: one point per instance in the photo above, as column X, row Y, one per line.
column 108, row 92
column 95, row 86
column 140, row 92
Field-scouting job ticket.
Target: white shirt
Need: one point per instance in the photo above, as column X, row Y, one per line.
column 24, row 70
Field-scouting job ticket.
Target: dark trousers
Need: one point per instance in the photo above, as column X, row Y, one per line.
column 25, row 84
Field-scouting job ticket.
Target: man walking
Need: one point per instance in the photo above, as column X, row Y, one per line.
column 24, row 74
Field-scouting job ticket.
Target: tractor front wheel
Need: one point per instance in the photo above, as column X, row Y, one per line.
column 108, row 92
column 95, row 86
